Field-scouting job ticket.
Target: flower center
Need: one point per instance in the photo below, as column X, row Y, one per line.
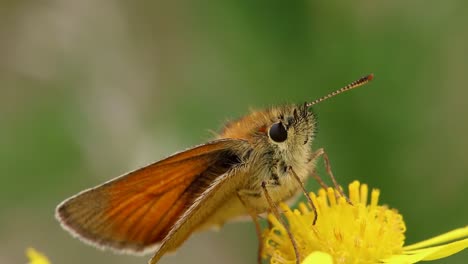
column 357, row 233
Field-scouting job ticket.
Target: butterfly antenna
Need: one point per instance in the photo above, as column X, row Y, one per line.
column 348, row 87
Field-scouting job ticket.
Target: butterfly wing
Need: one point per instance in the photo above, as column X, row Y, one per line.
column 219, row 190
column 136, row 211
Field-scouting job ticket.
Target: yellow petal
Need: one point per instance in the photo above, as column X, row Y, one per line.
column 318, row 257
column 36, row 257
column 430, row 253
column 449, row 236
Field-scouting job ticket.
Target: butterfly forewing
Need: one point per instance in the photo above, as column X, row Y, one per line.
column 218, row 190
column 137, row 210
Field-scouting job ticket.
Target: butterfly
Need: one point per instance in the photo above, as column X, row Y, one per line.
column 255, row 162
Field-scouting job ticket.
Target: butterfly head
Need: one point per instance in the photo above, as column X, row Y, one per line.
column 284, row 131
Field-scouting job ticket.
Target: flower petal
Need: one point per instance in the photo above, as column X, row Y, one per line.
column 318, row 257
column 452, row 235
column 430, row 253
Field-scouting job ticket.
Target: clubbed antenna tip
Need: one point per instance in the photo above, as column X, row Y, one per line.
column 355, row 84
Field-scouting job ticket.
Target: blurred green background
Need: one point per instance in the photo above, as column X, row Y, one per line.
column 92, row 89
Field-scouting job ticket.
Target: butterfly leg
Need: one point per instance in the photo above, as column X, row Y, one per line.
column 301, row 184
column 275, row 211
column 317, row 154
column 258, row 229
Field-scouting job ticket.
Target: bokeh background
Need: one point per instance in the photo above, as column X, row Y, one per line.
column 92, row 89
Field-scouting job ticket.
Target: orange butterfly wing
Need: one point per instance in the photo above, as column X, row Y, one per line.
column 137, row 210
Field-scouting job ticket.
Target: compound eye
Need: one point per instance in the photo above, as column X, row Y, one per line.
column 278, row 132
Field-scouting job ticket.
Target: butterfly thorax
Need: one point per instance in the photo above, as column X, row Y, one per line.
column 280, row 140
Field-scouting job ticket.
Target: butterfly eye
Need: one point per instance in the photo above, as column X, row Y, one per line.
column 278, row 133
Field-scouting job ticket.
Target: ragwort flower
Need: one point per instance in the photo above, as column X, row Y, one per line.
column 360, row 232
column 35, row 257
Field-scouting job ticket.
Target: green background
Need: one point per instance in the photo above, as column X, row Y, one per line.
column 91, row 89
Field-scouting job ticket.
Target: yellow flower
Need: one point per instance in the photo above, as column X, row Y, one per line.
column 36, row 257
column 359, row 233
